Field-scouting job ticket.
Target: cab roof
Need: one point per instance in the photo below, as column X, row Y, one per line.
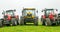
column 9, row 10
column 49, row 9
column 29, row 9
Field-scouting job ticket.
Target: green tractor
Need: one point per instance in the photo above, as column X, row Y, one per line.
column 9, row 18
column 29, row 16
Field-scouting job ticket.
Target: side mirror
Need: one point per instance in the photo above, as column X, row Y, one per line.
column 41, row 11
column 37, row 11
column 3, row 12
column 56, row 9
column 14, row 9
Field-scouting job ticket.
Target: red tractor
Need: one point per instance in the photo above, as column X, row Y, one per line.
column 9, row 18
column 49, row 17
column 59, row 18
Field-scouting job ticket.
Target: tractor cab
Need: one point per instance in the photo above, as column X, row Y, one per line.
column 28, row 12
column 48, row 12
column 9, row 17
column 8, row 12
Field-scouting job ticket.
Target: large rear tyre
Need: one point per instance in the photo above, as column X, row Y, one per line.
column 14, row 22
column 24, row 23
column 48, row 22
column 43, row 21
column 1, row 23
column 57, row 22
column 21, row 21
column 36, row 22
column 17, row 22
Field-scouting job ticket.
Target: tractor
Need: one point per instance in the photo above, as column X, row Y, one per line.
column 50, row 17
column 9, row 18
column 29, row 16
column 58, row 18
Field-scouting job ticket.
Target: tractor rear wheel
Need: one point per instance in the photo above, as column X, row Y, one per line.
column 17, row 22
column 1, row 23
column 48, row 22
column 24, row 23
column 43, row 21
column 14, row 22
column 21, row 21
column 57, row 22
column 36, row 22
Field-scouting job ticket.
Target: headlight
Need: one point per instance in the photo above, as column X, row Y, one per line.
column 32, row 16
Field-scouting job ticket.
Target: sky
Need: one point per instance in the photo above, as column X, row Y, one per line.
column 19, row 4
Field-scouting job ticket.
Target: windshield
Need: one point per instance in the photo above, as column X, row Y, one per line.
column 10, row 13
column 26, row 11
column 49, row 11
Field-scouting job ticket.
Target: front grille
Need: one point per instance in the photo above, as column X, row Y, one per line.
column 29, row 14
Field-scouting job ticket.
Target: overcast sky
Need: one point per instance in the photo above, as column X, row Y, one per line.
column 19, row 4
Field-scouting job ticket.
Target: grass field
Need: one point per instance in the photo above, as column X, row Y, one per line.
column 30, row 28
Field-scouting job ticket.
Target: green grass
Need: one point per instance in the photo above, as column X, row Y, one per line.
column 30, row 28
